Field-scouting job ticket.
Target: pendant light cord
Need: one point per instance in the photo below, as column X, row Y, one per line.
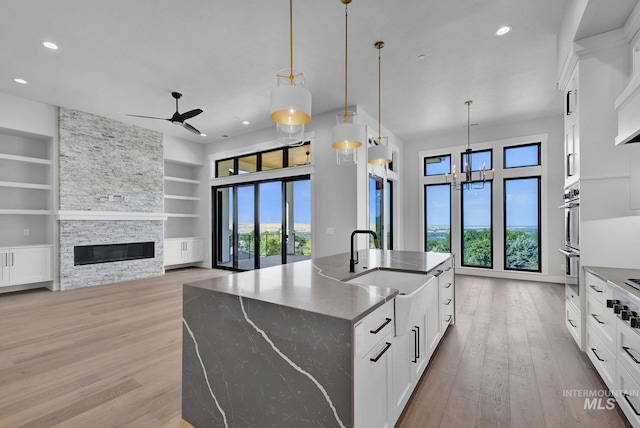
column 379, row 97
column 291, row 76
column 346, row 56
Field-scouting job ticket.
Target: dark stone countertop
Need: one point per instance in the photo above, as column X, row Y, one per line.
column 317, row 285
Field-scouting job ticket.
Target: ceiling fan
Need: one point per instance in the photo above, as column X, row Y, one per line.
column 178, row 118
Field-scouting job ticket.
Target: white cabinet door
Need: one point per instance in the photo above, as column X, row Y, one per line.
column 193, row 250
column 4, row 267
column 404, row 361
column 173, row 252
column 30, row 264
column 373, row 403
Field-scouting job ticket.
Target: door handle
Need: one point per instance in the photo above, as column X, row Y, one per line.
column 418, row 343
column 383, row 325
column 626, row 349
column 415, row 345
column 595, row 317
column 375, row 360
column 597, row 356
column 447, row 302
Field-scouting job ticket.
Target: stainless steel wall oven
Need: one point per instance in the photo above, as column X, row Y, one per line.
column 571, row 249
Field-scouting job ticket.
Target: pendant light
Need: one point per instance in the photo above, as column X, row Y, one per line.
column 290, row 100
column 379, row 153
column 469, row 181
column 346, row 133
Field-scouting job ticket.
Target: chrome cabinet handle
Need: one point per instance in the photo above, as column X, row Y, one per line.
column 383, row 325
column 12, row 259
column 448, row 269
column 626, row 397
column 595, row 288
column 595, row 317
column 375, row 360
column 448, row 285
column 449, row 318
column 597, row 356
column 447, row 302
column 626, row 349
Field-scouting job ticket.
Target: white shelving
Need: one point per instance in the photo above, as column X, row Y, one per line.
column 27, row 204
column 181, row 206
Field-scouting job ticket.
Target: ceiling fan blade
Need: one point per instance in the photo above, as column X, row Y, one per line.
column 190, row 128
column 147, row 117
column 190, row 114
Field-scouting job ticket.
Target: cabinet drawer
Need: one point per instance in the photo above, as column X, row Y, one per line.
column 627, row 395
column 602, row 359
column 572, row 320
column 628, row 349
column 598, row 288
column 603, row 321
column 446, row 290
column 372, row 328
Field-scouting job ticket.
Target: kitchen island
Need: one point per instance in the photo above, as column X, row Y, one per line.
column 277, row 347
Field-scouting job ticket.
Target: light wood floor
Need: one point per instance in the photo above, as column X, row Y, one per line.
column 110, row 356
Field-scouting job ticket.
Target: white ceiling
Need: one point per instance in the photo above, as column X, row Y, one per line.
column 119, row 57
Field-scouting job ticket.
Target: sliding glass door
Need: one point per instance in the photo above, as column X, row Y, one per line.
column 262, row 224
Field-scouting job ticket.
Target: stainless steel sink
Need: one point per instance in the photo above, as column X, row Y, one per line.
column 415, row 293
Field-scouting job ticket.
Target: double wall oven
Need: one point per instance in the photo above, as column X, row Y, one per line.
column 571, row 248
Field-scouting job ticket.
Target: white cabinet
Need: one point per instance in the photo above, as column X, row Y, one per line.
column 374, row 346
column 25, row 265
column 183, row 251
column 447, row 295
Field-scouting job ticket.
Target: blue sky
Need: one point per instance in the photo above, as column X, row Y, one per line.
column 271, row 202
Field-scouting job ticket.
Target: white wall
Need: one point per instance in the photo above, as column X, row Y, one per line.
column 552, row 126
column 28, row 116
column 183, row 151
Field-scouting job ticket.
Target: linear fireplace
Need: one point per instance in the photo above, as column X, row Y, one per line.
column 92, row 254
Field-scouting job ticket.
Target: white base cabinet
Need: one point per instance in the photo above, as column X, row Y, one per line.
column 183, row 250
column 25, row 265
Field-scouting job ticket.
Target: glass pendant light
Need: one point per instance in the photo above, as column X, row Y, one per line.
column 347, row 134
column 290, row 100
column 379, row 153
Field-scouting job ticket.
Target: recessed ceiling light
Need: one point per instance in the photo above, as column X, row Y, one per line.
column 50, row 45
column 245, row 122
column 203, row 135
column 503, row 30
column 422, row 57
column 19, row 80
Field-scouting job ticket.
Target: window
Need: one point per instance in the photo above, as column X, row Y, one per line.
column 522, row 223
column 477, row 240
column 264, row 161
column 437, row 200
column 262, row 224
column 437, row 165
column 388, row 214
column 496, row 224
column 375, row 207
column 521, row 156
column 479, row 160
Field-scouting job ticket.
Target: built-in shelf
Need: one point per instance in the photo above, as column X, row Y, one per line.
column 182, row 215
column 25, row 185
column 181, row 180
column 182, row 198
column 8, row 211
column 25, row 159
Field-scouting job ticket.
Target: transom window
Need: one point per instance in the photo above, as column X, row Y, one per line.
column 285, row 157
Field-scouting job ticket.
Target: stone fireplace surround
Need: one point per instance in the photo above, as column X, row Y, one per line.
column 100, row 158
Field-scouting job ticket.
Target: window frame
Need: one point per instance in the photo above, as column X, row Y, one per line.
column 491, row 228
column 258, row 154
column 504, row 224
column 424, row 165
column 517, row 146
column 463, row 154
column 426, row 240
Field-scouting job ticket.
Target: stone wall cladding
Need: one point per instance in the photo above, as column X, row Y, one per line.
column 100, row 156
column 81, row 232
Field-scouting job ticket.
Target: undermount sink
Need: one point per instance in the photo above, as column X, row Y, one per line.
column 414, row 292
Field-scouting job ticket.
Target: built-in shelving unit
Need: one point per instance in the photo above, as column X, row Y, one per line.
column 181, row 206
column 26, row 209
